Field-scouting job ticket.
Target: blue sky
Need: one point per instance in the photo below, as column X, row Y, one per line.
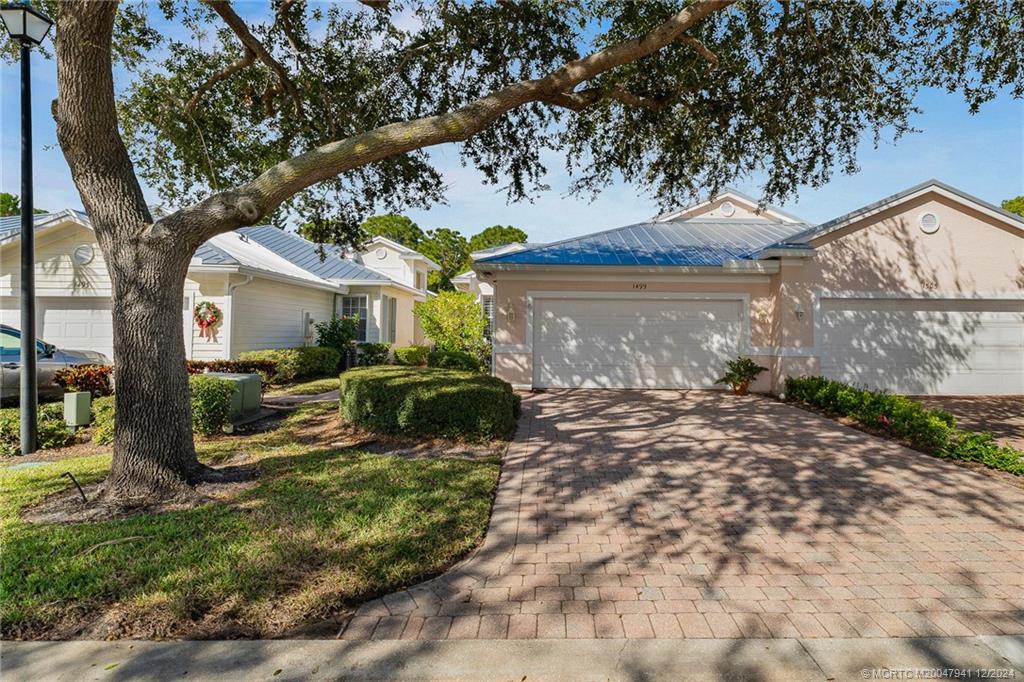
column 981, row 154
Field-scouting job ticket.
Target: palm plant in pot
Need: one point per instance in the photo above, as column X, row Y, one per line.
column 739, row 373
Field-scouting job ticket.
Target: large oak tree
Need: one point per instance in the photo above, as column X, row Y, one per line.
column 323, row 113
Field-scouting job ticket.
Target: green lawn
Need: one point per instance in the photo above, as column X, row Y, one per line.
column 322, row 530
column 311, row 387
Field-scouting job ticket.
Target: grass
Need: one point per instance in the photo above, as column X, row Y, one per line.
column 322, row 530
column 306, row 387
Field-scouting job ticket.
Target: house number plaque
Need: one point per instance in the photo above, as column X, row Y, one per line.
column 639, row 285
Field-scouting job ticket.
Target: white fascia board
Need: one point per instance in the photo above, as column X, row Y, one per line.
column 431, row 265
column 323, row 285
column 378, row 283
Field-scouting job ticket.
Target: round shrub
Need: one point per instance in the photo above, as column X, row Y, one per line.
column 428, row 402
column 92, row 378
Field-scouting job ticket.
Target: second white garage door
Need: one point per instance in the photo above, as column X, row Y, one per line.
column 633, row 343
column 925, row 346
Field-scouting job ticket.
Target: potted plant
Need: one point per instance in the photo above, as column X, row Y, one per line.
column 739, row 373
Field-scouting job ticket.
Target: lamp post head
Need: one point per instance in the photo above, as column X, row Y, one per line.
column 24, row 23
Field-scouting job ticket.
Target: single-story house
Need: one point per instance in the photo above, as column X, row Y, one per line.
column 271, row 286
column 920, row 293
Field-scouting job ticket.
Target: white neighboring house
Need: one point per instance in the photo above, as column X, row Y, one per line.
column 484, row 291
column 272, row 287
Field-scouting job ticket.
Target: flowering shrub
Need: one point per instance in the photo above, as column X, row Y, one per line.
column 92, row 378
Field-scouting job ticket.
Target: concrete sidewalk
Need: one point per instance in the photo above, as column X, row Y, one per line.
column 698, row 659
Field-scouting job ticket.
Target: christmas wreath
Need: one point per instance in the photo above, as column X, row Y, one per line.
column 207, row 315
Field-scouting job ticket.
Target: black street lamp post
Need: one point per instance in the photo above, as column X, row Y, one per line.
column 29, row 27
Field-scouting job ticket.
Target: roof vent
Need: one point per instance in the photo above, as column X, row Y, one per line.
column 727, row 209
column 929, row 223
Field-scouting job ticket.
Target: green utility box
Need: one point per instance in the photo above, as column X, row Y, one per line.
column 248, row 393
column 77, row 412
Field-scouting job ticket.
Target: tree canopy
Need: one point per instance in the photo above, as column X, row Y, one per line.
column 449, row 249
column 397, row 228
column 1015, row 205
column 10, row 204
column 783, row 89
column 496, row 235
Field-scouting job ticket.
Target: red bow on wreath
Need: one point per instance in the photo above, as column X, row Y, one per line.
column 207, row 315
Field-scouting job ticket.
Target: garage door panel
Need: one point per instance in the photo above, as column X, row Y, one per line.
column 633, row 343
column 927, row 346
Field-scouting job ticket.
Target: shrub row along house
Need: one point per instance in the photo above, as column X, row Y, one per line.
column 921, row 293
column 254, row 288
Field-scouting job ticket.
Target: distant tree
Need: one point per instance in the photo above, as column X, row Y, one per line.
column 496, row 235
column 450, row 250
column 11, row 205
column 1015, row 205
column 397, row 228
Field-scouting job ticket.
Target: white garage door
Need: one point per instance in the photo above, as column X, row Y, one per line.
column 76, row 323
column 648, row 343
column 931, row 346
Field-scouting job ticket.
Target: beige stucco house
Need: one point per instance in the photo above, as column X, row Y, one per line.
column 272, row 287
column 920, row 293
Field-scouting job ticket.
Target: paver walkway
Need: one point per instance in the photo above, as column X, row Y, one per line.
column 638, row 514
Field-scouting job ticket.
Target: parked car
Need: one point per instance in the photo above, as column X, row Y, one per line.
column 49, row 360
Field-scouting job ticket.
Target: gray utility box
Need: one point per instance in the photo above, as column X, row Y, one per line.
column 77, row 410
column 248, row 392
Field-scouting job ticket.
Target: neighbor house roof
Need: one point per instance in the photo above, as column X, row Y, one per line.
column 767, row 210
column 10, row 226
column 692, row 242
column 307, row 255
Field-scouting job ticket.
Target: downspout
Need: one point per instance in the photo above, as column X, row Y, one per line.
column 231, row 313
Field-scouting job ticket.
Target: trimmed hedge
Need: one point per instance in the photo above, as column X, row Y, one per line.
column 412, row 356
column 929, row 430
column 265, row 368
column 454, row 359
column 428, row 402
column 306, row 362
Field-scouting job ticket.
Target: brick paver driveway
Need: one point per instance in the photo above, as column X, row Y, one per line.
column 699, row 514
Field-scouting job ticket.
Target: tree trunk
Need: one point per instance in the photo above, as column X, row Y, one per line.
column 154, row 455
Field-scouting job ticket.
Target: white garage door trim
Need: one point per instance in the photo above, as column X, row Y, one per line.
column 962, row 383
column 743, row 299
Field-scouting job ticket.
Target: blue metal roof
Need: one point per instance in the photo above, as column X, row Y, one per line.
column 697, row 241
column 307, row 255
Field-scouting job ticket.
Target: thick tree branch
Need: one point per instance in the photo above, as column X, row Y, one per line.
column 236, row 24
column 247, row 203
column 234, row 67
column 711, row 57
column 286, row 25
column 581, row 99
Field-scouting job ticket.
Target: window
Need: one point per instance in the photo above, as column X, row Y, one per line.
column 389, row 311
column 10, row 344
column 356, row 305
column 420, row 283
column 488, row 304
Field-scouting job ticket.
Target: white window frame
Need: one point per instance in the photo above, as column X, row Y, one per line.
column 362, row 310
column 487, row 303
column 389, row 318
